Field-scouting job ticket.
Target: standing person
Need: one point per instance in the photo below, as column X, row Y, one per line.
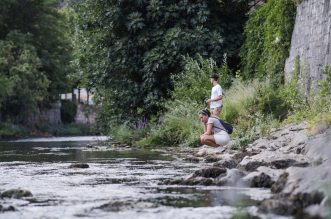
column 215, row 100
column 214, row 133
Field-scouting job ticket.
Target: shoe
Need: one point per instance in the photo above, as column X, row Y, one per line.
column 219, row 150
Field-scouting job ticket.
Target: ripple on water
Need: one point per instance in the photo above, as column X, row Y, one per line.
column 117, row 184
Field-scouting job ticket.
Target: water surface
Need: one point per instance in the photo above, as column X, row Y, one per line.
column 119, row 183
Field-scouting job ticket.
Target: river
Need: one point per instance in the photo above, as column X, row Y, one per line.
column 121, row 182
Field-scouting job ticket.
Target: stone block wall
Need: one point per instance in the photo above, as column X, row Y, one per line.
column 311, row 41
column 85, row 114
column 51, row 115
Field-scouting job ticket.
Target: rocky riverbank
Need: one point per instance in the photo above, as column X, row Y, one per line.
column 295, row 166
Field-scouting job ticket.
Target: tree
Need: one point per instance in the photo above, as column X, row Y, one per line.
column 129, row 49
column 26, row 84
column 35, row 55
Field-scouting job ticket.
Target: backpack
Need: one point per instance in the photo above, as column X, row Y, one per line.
column 227, row 126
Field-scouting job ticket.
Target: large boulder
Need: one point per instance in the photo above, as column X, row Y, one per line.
column 263, row 177
column 301, row 191
column 274, row 159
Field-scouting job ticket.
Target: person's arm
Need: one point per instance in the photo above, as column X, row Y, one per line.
column 217, row 98
column 204, row 127
column 209, row 129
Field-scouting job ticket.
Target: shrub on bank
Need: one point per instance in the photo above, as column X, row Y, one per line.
column 68, row 129
column 253, row 107
column 9, row 131
column 68, row 111
column 178, row 126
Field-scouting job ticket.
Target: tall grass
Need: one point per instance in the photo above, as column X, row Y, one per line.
column 238, row 99
column 253, row 107
column 178, row 126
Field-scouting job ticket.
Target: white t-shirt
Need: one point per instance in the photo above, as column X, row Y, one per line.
column 217, row 125
column 216, row 91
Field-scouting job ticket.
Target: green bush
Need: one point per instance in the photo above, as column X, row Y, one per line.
column 125, row 133
column 253, row 107
column 68, row 129
column 250, row 107
column 179, row 125
column 9, row 130
column 68, row 111
column 267, row 41
column 310, row 107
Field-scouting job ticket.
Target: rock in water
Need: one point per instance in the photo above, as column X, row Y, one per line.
column 16, row 193
column 79, row 165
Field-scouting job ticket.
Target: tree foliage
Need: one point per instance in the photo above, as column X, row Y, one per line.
column 34, row 56
column 19, row 65
column 131, row 48
column 267, row 39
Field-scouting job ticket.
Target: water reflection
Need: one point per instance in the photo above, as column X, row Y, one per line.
column 69, row 151
column 123, row 179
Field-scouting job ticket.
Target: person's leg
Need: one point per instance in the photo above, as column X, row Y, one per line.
column 216, row 111
column 208, row 140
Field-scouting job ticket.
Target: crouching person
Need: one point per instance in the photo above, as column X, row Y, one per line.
column 214, row 133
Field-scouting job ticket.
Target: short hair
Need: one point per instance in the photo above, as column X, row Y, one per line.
column 205, row 112
column 214, row 76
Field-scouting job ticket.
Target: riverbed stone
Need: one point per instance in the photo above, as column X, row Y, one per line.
column 212, row 158
column 297, row 141
column 274, row 159
column 8, row 208
column 279, row 185
column 206, row 150
column 117, row 206
column 230, row 163
column 292, row 204
column 192, row 159
column 16, row 193
column 307, row 180
column 190, row 181
column 278, row 206
column 319, row 128
column 233, row 178
column 79, row 165
column 210, row 172
column 202, row 181
column 315, row 212
column 263, row 177
column 261, row 181
column 305, row 199
column 318, row 147
column 286, row 139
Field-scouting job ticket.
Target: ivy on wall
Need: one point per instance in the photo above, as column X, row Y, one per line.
column 267, row 39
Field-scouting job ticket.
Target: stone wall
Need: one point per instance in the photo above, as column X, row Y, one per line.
column 51, row 115
column 86, row 114
column 311, row 41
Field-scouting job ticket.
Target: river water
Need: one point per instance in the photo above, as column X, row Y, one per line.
column 121, row 182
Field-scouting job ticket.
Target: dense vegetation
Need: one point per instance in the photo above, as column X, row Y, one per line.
column 34, row 57
column 257, row 99
column 268, row 37
column 128, row 50
column 148, row 63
